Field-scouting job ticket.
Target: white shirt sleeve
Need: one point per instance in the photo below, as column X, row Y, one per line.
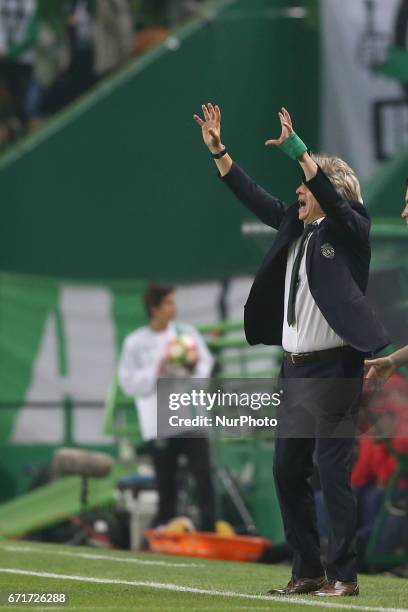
column 134, row 379
column 205, row 359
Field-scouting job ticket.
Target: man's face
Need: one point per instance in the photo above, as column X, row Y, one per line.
column 167, row 310
column 309, row 209
column 404, row 213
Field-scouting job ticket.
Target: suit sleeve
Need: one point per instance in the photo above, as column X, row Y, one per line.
column 268, row 209
column 133, row 379
column 343, row 217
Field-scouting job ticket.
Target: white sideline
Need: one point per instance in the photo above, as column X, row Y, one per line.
column 24, row 549
column 313, row 602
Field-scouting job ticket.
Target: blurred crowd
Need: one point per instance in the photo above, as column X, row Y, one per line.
column 51, row 51
column 379, row 481
column 380, row 448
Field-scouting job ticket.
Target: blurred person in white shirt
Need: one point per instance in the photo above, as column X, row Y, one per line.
column 145, row 358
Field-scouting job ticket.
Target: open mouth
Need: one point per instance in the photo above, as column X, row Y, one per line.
column 302, row 205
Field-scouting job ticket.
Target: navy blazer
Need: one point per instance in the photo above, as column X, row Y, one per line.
column 337, row 264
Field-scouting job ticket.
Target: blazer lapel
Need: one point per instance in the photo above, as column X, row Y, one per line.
column 289, row 231
column 311, row 246
column 292, row 229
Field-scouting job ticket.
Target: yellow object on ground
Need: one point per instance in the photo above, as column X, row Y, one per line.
column 224, row 528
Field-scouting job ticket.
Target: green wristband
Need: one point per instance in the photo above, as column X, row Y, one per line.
column 293, row 146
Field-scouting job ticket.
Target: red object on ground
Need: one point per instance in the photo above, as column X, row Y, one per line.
column 207, row 545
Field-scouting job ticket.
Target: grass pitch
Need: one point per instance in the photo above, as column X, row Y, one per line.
column 116, row 580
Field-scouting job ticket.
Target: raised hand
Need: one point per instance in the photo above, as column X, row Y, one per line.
column 287, row 128
column 211, row 127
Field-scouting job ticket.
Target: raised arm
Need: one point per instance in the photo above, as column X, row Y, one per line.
column 344, row 219
column 268, row 209
column 211, row 131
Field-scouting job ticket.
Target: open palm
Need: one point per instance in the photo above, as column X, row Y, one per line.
column 210, row 125
column 287, row 128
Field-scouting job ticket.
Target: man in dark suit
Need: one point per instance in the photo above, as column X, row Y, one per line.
column 308, row 296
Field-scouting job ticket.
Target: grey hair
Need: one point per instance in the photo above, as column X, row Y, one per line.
column 344, row 179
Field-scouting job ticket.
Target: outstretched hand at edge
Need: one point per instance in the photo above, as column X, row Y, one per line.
column 379, row 371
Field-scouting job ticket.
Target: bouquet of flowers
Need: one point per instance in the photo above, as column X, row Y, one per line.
column 182, row 352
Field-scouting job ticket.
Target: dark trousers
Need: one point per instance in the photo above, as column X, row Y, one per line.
column 337, row 399
column 166, row 454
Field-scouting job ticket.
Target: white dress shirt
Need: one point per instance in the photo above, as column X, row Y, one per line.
column 139, row 366
column 310, row 331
